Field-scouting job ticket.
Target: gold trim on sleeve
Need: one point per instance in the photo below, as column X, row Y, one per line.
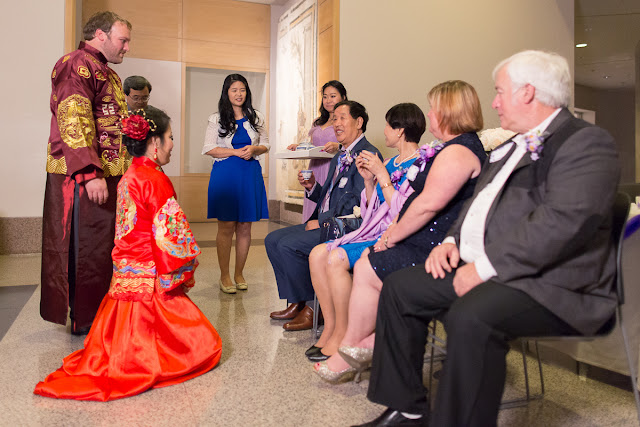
column 57, row 166
column 75, row 121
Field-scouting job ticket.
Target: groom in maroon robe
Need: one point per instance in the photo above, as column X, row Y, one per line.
column 85, row 160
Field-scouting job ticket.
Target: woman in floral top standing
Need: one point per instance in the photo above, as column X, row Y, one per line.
column 147, row 333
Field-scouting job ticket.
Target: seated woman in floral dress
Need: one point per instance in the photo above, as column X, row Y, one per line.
column 381, row 200
column 440, row 188
column 147, row 333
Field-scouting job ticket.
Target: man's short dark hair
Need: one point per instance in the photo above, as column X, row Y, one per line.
column 135, row 83
column 355, row 110
column 103, row 21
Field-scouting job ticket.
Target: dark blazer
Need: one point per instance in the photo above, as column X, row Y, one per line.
column 339, row 205
column 548, row 230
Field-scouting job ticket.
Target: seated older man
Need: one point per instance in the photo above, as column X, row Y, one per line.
column 288, row 248
column 530, row 254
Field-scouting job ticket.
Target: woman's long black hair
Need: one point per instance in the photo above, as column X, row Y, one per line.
column 324, row 114
column 225, row 109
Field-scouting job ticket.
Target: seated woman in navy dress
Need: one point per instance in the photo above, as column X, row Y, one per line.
column 440, row 189
column 235, row 136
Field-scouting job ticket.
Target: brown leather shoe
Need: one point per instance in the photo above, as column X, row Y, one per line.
column 288, row 313
column 304, row 320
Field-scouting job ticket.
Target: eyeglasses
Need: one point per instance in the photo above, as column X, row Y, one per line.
column 137, row 98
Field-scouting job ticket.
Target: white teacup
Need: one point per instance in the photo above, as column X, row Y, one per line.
column 306, row 174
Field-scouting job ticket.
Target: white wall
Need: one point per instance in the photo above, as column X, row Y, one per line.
column 203, row 90
column 166, row 81
column 392, row 52
column 33, row 40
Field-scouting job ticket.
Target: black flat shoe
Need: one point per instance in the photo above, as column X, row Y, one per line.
column 391, row 417
column 318, row 357
column 312, row 350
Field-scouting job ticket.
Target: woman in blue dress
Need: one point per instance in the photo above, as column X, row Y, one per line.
column 235, row 136
column 384, row 195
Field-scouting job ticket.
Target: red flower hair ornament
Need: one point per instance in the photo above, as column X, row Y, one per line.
column 137, row 126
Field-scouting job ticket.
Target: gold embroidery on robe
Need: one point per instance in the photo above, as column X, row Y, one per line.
column 84, row 72
column 55, row 98
column 109, row 124
column 106, row 99
column 126, row 211
column 109, row 121
column 126, row 286
column 100, row 76
column 57, row 166
column 132, row 281
column 94, row 60
column 118, row 165
column 53, row 75
column 118, row 93
column 66, row 58
column 75, row 121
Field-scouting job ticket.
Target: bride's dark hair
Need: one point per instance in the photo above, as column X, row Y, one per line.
column 158, row 122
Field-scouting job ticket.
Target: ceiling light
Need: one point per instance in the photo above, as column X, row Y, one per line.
column 581, row 45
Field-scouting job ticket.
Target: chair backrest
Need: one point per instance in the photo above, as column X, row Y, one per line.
column 620, row 214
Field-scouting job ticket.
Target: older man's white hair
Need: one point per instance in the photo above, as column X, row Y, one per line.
column 548, row 72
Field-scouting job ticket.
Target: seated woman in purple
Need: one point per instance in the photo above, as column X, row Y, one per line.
column 323, row 135
column 386, row 190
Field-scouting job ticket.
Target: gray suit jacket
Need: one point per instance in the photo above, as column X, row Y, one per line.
column 548, row 230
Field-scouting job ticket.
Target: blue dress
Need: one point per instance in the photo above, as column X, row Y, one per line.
column 236, row 186
column 354, row 250
column 415, row 249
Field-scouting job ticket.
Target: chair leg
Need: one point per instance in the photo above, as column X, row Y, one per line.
column 316, row 311
column 524, row 401
column 541, row 395
column 632, row 369
column 432, row 345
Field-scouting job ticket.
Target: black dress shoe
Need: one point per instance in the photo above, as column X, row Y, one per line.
column 80, row 331
column 312, row 350
column 318, row 357
column 391, row 417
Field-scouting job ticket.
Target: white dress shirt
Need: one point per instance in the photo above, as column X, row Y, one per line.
column 473, row 227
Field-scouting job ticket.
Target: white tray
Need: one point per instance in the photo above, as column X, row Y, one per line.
column 314, row 153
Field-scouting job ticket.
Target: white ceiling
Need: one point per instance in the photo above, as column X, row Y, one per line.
column 611, row 28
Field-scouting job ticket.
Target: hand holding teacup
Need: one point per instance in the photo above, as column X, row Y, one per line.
column 306, row 178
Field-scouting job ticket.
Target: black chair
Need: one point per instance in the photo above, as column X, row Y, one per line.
column 620, row 214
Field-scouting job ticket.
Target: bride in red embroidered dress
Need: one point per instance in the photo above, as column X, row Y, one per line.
column 147, row 333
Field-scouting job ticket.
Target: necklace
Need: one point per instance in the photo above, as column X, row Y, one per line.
column 396, row 164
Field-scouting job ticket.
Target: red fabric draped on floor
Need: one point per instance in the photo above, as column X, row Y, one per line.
column 134, row 346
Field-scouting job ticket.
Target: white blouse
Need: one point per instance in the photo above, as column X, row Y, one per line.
column 212, row 138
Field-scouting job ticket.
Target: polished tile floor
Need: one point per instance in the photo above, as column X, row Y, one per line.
column 263, row 378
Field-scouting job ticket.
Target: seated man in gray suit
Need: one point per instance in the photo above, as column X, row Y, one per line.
column 288, row 248
column 530, row 255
